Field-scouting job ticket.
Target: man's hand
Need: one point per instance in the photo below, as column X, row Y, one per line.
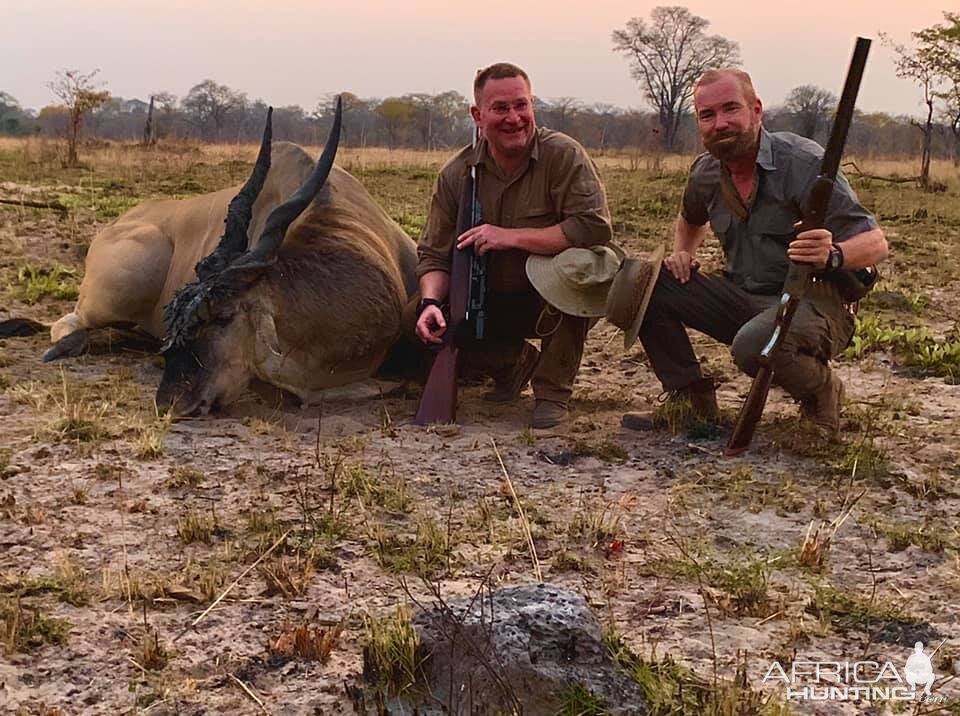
column 484, row 238
column 681, row 264
column 811, row 247
column 431, row 325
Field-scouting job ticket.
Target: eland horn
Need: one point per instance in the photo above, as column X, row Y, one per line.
column 233, row 243
column 280, row 218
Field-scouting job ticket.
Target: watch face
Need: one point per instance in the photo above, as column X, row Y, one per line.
column 834, row 260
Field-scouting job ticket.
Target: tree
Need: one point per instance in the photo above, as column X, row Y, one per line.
column 209, row 106
column 668, row 56
column 13, row 119
column 944, row 43
column 452, row 122
column 358, row 118
column 77, row 91
column 396, row 114
column 149, row 130
column 914, row 63
column 933, row 62
column 810, row 105
column 561, row 112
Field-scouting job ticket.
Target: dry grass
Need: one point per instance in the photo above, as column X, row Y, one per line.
column 306, row 641
column 358, row 509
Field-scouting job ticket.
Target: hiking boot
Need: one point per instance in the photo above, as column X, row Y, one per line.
column 823, row 407
column 508, row 388
column 696, row 402
column 547, row 414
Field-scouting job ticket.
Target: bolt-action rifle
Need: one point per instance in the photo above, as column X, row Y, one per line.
column 468, row 284
column 800, row 275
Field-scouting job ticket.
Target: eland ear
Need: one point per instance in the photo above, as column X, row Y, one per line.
column 280, row 218
column 233, row 243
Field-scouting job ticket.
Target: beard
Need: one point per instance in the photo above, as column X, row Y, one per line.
column 729, row 146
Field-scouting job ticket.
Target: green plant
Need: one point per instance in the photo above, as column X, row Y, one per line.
column 34, row 283
column 184, row 476
column 577, row 700
column 427, row 554
column 392, row 654
column 671, row 688
column 916, row 347
column 24, row 627
column 193, row 526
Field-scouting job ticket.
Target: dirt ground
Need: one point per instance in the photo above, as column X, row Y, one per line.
column 127, row 527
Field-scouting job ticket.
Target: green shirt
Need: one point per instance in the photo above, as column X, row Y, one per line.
column 559, row 185
column 755, row 246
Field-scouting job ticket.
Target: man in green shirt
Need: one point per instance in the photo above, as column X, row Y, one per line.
column 540, row 194
column 752, row 186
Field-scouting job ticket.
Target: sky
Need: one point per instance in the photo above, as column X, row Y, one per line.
column 294, row 52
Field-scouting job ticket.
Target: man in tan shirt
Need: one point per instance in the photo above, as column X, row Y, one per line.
column 540, row 194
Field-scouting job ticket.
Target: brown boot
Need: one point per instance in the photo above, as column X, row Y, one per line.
column 696, row 402
column 547, row 414
column 823, row 407
column 507, row 388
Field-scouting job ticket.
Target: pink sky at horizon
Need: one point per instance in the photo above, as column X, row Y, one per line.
column 380, row 48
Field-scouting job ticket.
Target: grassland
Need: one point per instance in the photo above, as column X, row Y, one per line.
column 118, row 528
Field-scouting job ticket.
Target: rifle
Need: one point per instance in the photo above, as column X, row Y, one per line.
column 468, row 281
column 799, row 276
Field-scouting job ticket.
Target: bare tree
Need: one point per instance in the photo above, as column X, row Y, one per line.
column 917, row 63
column 810, row 106
column 79, row 95
column 149, row 130
column 668, row 56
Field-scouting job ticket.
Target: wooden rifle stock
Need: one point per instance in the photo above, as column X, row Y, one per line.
column 438, row 403
column 800, row 275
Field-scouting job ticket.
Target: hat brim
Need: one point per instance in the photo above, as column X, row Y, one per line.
column 630, row 336
column 585, row 302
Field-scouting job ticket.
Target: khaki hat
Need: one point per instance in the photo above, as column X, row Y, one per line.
column 630, row 294
column 576, row 280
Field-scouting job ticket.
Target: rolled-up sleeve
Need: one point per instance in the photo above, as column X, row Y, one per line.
column 436, row 241
column 581, row 201
column 695, row 202
column 846, row 216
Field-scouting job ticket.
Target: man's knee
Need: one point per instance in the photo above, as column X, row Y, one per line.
column 747, row 345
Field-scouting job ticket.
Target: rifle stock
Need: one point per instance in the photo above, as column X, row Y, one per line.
column 799, row 276
column 438, row 402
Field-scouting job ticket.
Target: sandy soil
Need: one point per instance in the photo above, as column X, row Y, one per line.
column 102, row 507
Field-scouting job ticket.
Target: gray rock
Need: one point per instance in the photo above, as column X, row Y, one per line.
column 516, row 651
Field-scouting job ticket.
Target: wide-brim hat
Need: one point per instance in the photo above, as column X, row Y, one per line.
column 630, row 293
column 575, row 281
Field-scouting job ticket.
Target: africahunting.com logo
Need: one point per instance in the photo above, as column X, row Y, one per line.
column 858, row 680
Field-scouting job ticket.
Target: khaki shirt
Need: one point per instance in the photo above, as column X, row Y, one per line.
column 559, row 185
column 755, row 234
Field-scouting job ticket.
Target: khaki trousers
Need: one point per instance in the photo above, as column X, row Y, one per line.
column 511, row 318
column 716, row 306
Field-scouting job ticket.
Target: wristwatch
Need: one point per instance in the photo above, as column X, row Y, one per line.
column 424, row 302
column 835, row 259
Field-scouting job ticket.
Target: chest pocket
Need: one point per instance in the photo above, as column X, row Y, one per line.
column 535, row 215
column 720, row 221
column 771, row 235
column 773, row 226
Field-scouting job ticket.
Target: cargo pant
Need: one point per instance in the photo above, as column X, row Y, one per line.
column 512, row 317
column 716, row 306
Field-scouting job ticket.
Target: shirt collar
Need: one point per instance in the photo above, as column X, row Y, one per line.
column 765, row 152
column 481, row 155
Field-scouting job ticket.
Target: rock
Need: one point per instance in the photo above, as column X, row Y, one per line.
column 528, row 643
